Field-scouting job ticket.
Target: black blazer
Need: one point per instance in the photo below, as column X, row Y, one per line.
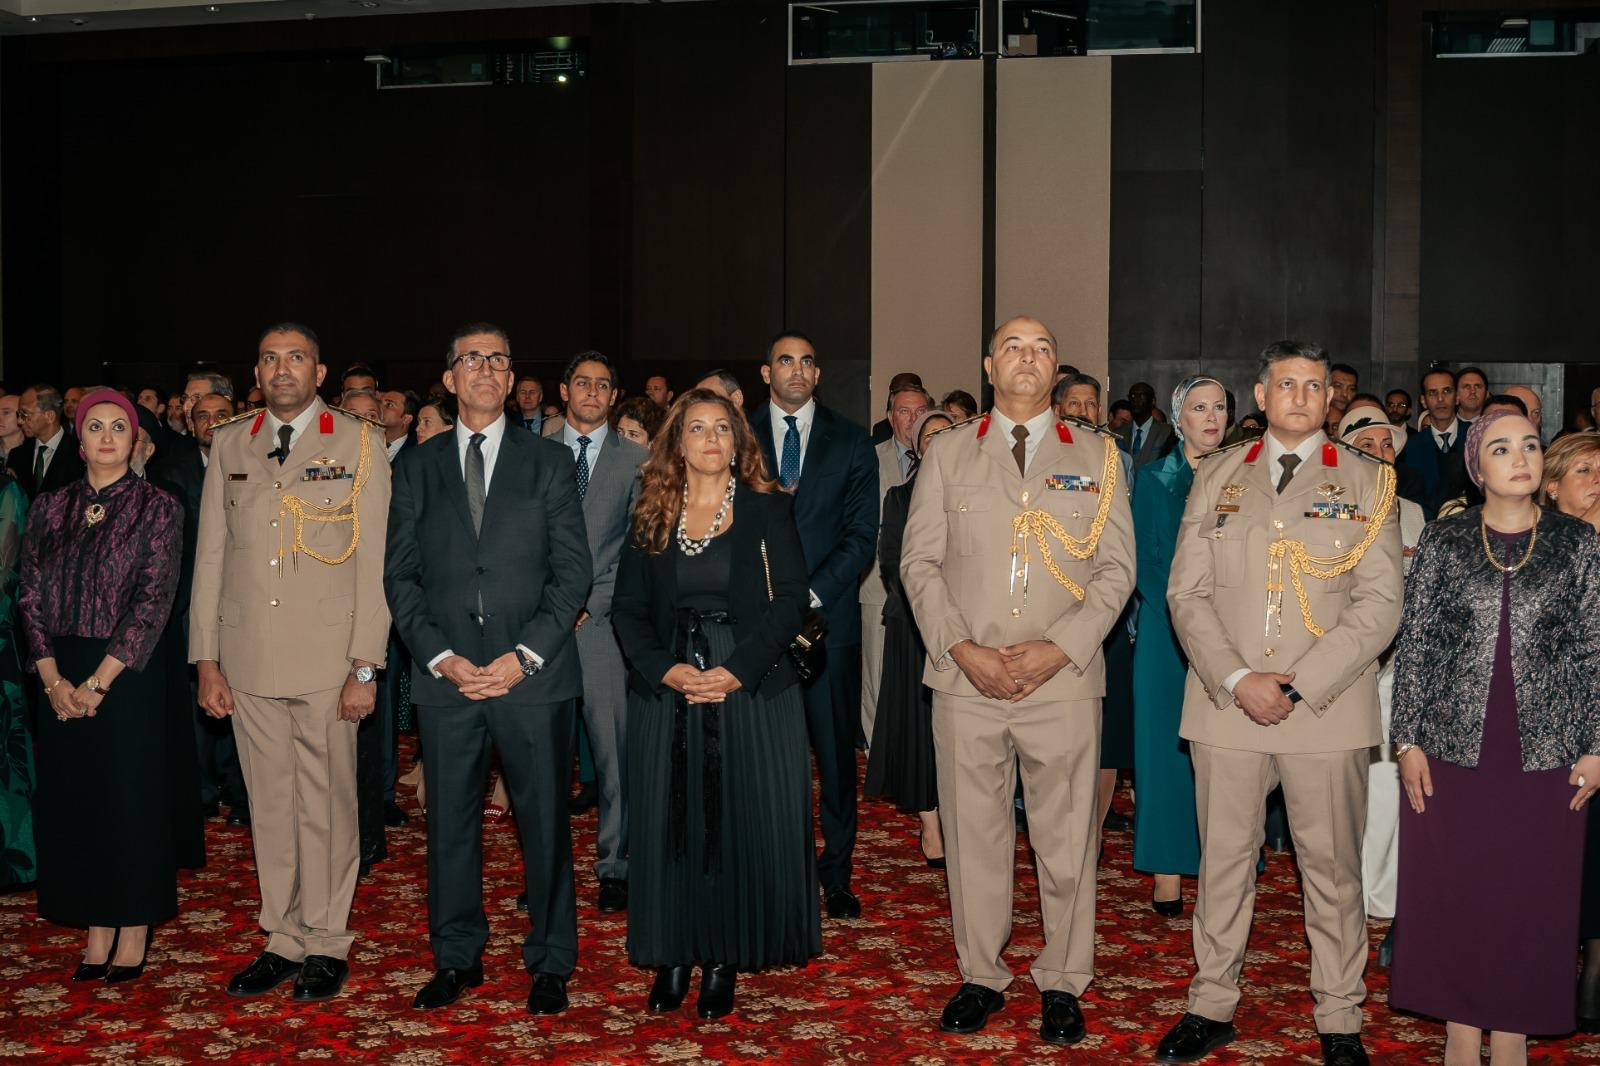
column 836, row 510
column 644, row 612
column 1438, row 476
column 181, row 473
column 66, row 466
column 896, row 509
column 530, row 563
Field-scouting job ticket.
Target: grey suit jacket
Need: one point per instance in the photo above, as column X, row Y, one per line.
column 872, row 590
column 1158, row 440
column 607, row 511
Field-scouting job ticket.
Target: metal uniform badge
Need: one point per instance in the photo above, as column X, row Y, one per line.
column 1230, row 499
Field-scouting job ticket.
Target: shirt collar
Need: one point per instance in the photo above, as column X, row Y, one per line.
column 802, row 418
column 596, row 435
column 55, row 442
column 1036, row 426
column 1307, row 448
column 491, row 433
column 1454, row 429
column 299, row 425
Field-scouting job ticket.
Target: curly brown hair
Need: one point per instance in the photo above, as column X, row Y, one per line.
column 661, row 476
column 1561, row 457
column 643, row 410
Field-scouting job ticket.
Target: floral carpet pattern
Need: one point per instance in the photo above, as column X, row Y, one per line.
column 874, row 996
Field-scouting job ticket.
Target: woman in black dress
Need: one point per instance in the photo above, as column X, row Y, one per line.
column 100, row 563
column 900, row 760
column 710, row 592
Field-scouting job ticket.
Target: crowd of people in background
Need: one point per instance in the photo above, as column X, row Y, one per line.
column 1331, row 620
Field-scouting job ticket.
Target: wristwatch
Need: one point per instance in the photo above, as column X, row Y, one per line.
column 364, row 674
column 529, row 667
column 93, row 684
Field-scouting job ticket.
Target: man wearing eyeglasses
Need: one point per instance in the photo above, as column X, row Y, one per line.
column 488, row 566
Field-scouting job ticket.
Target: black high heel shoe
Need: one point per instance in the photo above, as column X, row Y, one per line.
column 670, row 989
column 96, row 971
column 1167, row 908
column 116, row 975
column 716, row 991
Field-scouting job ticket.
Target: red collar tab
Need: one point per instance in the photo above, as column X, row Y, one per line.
column 326, row 422
column 983, row 427
column 1064, row 433
column 1330, row 454
column 256, row 425
column 1255, row 450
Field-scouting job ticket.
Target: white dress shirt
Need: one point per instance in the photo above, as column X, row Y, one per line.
column 394, row 446
column 1037, row 427
column 597, row 437
column 1453, row 430
column 301, row 423
column 803, row 419
column 49, row 449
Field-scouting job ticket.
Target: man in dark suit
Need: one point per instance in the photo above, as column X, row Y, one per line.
column 1146, row 438
column 398, row 409
column 527, row 409
column 55, row 459
column 606, row 470
column 182, row 472
column 487, row 568
column 828, row 463
column 1436, row 456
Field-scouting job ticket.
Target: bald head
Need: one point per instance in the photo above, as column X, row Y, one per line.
column 1530, row 400
column 1023, row 328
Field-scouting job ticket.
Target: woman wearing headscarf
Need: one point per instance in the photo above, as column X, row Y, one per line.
column 1166, row 833
column 100, row 562
column 1497, row 732
column 900, row 758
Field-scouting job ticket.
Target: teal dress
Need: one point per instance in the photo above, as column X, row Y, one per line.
column 16, row 751
column 1166, row 834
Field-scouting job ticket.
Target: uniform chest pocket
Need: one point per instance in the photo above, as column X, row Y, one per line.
column 967, row 508
column 1327, row 551
column 1226, row 534
column 242, row 507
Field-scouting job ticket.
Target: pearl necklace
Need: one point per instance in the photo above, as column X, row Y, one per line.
column 695, row 547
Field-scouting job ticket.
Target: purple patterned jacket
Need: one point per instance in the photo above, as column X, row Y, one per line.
column 113, row 580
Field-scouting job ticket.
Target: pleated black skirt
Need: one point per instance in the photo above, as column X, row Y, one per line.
column 900, row 765
column 104, row 819
column 754, row 905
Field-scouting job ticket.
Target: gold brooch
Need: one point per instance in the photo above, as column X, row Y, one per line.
column 94, row 514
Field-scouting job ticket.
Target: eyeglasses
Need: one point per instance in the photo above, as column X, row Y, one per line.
column 498, row 361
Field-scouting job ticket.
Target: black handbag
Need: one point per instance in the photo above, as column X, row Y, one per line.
column 806, row 649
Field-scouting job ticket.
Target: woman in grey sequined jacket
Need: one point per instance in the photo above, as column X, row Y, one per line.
column 1445, row 652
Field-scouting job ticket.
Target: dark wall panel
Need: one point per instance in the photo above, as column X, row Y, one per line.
column 1510, row 220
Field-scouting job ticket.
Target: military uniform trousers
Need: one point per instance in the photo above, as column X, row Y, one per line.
column 978, row 746
column 605, row 717
column 299, row 763
column 1326, row 797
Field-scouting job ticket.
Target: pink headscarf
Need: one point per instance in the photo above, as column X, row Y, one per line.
column 105, row 396
column 1475, row 435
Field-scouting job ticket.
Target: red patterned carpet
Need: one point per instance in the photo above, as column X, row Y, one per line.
column 872, row 998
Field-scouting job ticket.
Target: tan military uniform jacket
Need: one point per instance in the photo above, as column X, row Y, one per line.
column 280, row 627
column 957, row 559
column 1218, row 597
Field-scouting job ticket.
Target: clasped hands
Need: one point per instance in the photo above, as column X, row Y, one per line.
column 1010, row 673
column 1261, row 697
column 70, row 701
column 700, row 686
column 483, row 682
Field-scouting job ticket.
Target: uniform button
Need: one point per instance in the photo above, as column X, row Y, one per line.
column 273, row 602
column 277, row 484
column 1277, row 523
column 1269, row 651
column 962, row 507
column 327, row 500
column 1216, row 534
column 272, row 562
column 1016, row 612
column 1022, row 573
column 219, row 618
column 233, row 503
column 274, row 523
column 1338, row 544
column 1075, row 514
column 1024, row 497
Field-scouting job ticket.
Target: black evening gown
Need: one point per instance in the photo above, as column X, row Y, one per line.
column 900, row 765
column 743, row 888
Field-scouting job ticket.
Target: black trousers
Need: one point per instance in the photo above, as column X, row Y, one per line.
column 833, row 718
column 535, row 745
column 370, row 764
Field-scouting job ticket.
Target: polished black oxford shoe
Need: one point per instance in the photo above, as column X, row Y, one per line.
column 446, row 986
column 267, row 972
column 1193, row 1038
column 321, row 977
column 1060, row 1019
column 842, row 903
column 613, row 895
column 969, row 1009
column 548, row 995
column 1343, row 1049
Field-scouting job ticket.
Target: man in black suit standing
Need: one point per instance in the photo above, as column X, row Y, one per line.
column 828, row 463
column 55, row 460
column 398, row 408
column 1436, row 456
column 487, row 568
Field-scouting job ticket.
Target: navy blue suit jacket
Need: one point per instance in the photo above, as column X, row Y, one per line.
column 1439, row 476
column 836, row 510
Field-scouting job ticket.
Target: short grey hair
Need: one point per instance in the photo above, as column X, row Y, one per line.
column 221, row 384
column 1278, row 351
column 1071, row 381
column 47, row 399
column 362, row 390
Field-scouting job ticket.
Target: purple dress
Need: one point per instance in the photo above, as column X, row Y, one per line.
column 1486, row 927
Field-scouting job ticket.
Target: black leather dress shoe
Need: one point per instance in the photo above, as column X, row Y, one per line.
column 321, row 977
column 446, row 986
column 239, row 816
column 1343, row 1049
column 393, row 816
column 670, row 988
column 267, row 972
column 969, row 1009
column 613, row 895
column 842, row 903
column 1060, row 1019
column 522, row 900
column 1117, row 822
column 1193, row 1038
column 92, row 971
column 585, row 799
column 548, row 995
column 716, row 991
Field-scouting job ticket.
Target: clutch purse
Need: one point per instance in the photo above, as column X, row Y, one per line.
column 805, row 651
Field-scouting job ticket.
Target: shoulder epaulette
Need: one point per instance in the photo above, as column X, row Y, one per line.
column 359, row 418
column 1228, row 448
column 954, row 425
column 231, row 419
column 1368, row 456
column 1083, row 423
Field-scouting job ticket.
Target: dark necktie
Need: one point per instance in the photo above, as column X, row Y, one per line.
column 583, row 467
column 475, row 484
column 39, row 453
column 911, row 465
column 1288, row 462
column 281, row 452
column 1444, row 442
column 789, row 463
column 1138, row 439
column 1019, row 450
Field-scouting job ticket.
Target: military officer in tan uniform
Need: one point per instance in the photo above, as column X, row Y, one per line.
column 287, row 624
column 1286, row 586
column 1018, row 557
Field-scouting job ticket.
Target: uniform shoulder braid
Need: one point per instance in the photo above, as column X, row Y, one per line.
column 358, row 418
column 1225, row 449
column 240, row 417
column 1368, row 456
column 1082, row 423
column 975, row 419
